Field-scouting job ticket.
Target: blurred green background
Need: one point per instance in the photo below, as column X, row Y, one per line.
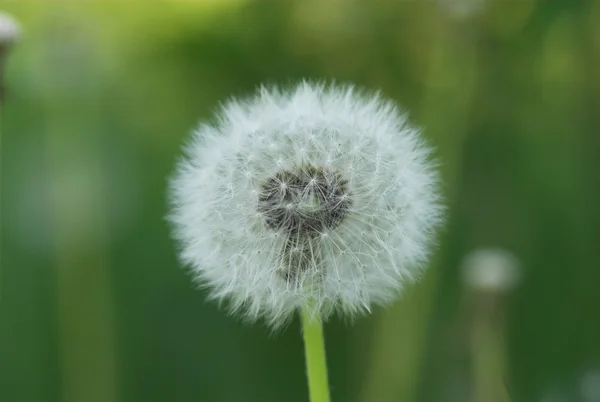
column 94, row 306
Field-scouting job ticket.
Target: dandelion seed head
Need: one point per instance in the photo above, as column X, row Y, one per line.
column 320, row 193
column 491, row 270
column 590, row 386
column 10, row 29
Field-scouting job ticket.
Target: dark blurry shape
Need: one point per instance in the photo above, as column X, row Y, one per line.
column 9, row 33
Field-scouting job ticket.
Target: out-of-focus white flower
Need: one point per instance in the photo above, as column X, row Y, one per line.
column 9, row 29
column 590, row 386
column 464, row 8
column 319, row 194
column 494, row 270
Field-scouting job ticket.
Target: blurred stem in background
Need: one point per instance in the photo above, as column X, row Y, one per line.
column 489, row 275
column 84, row 298
column 9, row 33
column 78, row 192
column 398, row 344
column 488, row 350
column 316, row 359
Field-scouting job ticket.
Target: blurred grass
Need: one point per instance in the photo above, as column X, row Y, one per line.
column 100, row 98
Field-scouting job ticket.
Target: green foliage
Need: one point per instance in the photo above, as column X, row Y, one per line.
column 93, row 303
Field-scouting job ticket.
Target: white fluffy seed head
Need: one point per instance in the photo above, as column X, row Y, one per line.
column 491, row 270
column 9, row 29
column 319, row 194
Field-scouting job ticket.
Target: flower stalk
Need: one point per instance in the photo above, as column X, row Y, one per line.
column 488, row 351
column 316, row 361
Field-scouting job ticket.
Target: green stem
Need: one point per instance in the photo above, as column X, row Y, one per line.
column 316, row 363
column 489, row 354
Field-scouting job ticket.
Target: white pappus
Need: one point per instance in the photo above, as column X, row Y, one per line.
column 321, row 194
column 9, row 29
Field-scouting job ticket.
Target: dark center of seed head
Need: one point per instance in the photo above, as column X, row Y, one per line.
column 305, row 201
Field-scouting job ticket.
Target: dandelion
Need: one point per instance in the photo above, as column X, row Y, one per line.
column 590, row 386
column 9, row 29
column 489, row 275
column 9, row 33
column 318, row 194
column 320, row 199
column 491, row 270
